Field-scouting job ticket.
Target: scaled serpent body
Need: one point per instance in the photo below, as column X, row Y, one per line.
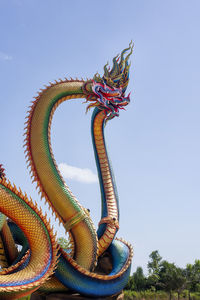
column 107, row 95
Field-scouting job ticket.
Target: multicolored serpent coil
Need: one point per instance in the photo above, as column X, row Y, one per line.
column 24, row 272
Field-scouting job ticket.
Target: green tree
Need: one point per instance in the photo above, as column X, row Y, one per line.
column 154, row 269
column 139, row 279
column 192, row 274
column 65, row 244
column 154, row 263
column 196, row 280
column 131, row 284
column 172, row 278
column 181, row 281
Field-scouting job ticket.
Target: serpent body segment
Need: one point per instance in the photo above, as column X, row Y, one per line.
column 41, row 242
column 107, row 96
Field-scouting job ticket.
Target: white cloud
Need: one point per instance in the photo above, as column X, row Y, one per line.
column 4, row 56
column 77, row 174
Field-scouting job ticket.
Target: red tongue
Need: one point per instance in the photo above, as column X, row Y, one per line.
column 110, row 94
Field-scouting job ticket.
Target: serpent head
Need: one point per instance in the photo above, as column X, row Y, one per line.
column 108, row 92
column 109, row 99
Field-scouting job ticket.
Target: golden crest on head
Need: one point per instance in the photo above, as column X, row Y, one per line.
column 118, row 76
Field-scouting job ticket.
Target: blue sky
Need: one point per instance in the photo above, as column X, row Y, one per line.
column 154, row 145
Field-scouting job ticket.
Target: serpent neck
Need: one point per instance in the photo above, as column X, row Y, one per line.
column 45, row 171
column 108, row 225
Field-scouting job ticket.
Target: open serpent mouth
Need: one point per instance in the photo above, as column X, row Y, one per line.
column 109, row 99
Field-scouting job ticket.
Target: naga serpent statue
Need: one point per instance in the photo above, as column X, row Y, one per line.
column 23, row 272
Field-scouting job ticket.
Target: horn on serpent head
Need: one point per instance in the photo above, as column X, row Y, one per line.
column 108, row 92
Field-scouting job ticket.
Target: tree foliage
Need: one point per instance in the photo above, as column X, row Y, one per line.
column 65, row 244
column 165, row 276
column 154, row 263
column 139, row 279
